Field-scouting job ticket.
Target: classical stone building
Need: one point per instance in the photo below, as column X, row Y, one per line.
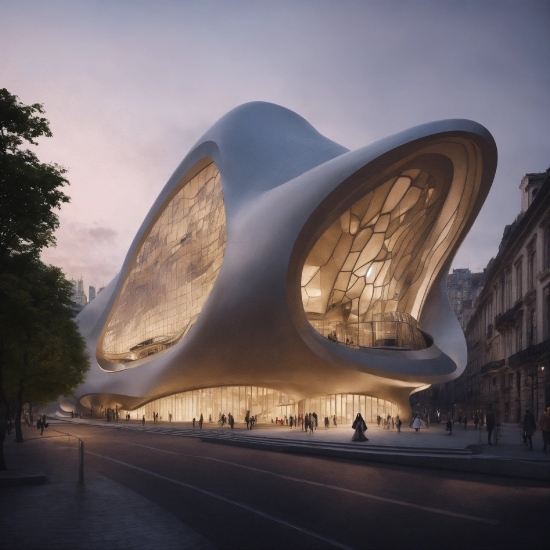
column 463, row 287
column 508, row 336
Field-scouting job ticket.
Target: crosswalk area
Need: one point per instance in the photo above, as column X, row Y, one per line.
column 306, row 445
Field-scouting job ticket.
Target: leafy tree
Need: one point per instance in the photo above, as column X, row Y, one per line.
column 29, row 189
column 41, row 352
column 44, row 353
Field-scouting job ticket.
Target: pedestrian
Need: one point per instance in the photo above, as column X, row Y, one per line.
column 143, row 420
column 43, row 424
column 193, row 422
column 247, row 419
column 490, row 422
column 476, row 421
column 201, row 419
column 529, row 426
column 450, row 424
column 416, row 423
column 398, row 423
column 360, row 428
column 544, row 427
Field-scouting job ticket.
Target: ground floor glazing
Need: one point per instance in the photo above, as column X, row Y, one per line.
column 266, row 404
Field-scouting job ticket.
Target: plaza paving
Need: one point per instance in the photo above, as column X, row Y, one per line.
column 103, row 513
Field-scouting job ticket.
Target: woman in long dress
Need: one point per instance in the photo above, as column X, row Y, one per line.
column 416, row 423
column 360, row 427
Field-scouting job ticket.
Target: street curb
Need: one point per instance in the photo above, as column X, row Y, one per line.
column 472, row 464
column 21, row 478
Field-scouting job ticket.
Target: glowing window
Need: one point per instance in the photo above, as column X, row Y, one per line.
column 173, row 272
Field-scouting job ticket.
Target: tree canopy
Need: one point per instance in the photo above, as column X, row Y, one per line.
column 30, row 190
column 42, row 354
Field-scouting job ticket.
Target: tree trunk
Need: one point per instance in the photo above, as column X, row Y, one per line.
column 18, row 411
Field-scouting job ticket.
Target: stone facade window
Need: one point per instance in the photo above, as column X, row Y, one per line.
column 519, row 280
column 531, row 265
column 508, row 289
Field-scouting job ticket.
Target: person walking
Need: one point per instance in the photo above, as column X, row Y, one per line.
column 201, row 419
column 360, row 428
column 476, row 421
column 490, row 422
column 450, row 424
column 143, row 420
column 544, row 427
column 398, row 423
column 42, row 424
column 529, row 426
column 416, row 423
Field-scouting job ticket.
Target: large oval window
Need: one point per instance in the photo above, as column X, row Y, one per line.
column 360, row 279
column 173, row 272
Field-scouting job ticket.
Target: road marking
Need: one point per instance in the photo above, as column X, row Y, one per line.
column 333, row 487
column 229, row 501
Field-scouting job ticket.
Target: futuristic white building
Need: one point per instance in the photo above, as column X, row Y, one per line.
column 280, row 273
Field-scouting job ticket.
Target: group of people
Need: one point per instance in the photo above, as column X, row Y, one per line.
column 250, row 420
column 223, row 420
column 530, row 426
column 389, row 422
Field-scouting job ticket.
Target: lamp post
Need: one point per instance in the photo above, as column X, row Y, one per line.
column 534, row 374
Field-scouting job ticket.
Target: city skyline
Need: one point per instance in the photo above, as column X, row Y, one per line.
column 128, row 89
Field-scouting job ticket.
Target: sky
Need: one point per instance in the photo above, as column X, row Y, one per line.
column 130, row 86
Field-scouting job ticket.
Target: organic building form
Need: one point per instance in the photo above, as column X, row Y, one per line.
column 280, row 273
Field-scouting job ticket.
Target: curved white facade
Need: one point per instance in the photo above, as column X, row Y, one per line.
column 276, row 258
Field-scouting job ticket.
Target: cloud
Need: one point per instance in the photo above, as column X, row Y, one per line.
column 89, row 251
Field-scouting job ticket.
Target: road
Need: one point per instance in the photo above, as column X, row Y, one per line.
column 242, row 498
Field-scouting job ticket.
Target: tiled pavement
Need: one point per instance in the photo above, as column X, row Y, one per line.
column 62, row 514
column 90, row 515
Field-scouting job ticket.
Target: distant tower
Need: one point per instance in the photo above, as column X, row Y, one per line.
column 79, row 296
column 91, row 292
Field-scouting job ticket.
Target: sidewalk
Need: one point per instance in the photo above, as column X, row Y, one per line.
column 433, row 447
column 62, row 514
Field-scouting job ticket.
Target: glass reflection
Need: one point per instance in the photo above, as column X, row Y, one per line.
column 266, row 404
column 173, row 273
column 360, row 279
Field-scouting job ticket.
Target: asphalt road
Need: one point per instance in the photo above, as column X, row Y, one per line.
column 242, row 498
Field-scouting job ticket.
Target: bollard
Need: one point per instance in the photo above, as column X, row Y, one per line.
column 81, row 466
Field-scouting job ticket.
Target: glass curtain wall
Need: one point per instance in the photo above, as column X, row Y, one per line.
column 266, row 404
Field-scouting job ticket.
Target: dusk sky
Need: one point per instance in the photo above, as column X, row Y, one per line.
column 130, row 86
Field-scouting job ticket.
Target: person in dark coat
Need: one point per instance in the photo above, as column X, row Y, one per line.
column 544, row 427
column 490, row 417
column 529, row 426
column 360, row 428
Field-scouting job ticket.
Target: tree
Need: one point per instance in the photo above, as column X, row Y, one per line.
column 30, row 192
column 29, row 189
column 44, row 354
